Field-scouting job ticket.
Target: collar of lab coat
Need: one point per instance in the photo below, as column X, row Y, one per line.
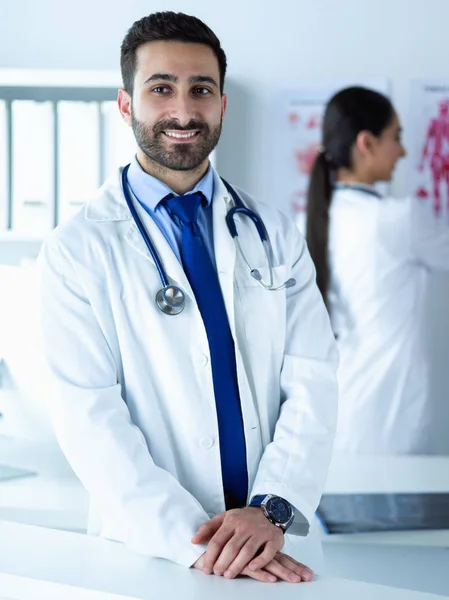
column 110, row 205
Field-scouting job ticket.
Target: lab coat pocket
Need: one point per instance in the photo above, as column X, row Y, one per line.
column 263, row 311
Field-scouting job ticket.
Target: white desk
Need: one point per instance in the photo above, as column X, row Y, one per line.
column 421, row 568
column 37, row 563
column 366, row 474
column 52, row 498
column 56, row 499
column 392, row 558
column 389, row 474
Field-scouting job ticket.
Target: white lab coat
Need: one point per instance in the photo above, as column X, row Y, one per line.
column 381, row 253
column 134, row 407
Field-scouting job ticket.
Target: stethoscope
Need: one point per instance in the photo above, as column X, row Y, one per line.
column 171, row 298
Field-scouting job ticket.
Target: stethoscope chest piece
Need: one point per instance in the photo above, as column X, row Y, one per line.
column 171, row 300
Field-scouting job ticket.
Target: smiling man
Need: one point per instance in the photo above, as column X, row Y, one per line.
column 202, row 429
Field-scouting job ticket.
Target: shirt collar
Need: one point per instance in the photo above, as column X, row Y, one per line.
column 358, row 187
column 150, row 191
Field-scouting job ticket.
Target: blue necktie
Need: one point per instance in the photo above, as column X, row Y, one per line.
column 203, row 280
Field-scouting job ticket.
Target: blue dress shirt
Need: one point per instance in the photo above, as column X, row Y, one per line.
column 149, row 192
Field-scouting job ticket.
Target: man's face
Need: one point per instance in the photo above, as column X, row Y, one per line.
column 177, row 109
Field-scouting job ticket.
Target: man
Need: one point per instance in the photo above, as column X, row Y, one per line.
column 176, row 422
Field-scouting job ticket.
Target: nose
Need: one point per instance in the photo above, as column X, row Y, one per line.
column 182, row 108
column 403, row 151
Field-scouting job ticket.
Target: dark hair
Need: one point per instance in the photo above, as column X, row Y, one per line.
column 172, row 27
column 348, row 113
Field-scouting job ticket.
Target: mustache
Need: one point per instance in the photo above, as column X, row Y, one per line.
column 175, row 125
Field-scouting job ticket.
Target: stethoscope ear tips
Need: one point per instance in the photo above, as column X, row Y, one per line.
column 171, row 300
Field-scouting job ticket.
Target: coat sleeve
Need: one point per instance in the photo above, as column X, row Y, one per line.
column 155, row 515
column 294, row 465
column 429, row 236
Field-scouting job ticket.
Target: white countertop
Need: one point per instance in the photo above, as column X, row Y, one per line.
column 421, row 568
column 390, row 557
column 54, row 497
column 37, row 563
column 437, row 538
column 365, row 474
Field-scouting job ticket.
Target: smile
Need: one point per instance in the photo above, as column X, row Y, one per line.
column 181, row 136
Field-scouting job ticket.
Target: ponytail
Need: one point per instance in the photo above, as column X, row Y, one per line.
column 317, row 230
column 349, row 112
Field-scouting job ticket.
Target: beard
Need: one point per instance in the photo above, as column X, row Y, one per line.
column 180, row 157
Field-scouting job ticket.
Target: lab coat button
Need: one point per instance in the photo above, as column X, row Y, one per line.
column 203, row 360
column 206, row 443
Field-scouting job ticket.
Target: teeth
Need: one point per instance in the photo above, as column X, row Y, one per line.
column 182, row 136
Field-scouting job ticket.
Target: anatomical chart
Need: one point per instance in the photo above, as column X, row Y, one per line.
column 301, row 117
column 428, row 179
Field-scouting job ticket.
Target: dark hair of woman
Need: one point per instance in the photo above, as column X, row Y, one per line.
column 348, row 113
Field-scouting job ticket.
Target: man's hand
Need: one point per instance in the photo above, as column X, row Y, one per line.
column 281, row 567
column 235, row 538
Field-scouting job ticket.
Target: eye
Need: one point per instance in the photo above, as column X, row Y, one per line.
column 201, row 91
column 161, row 89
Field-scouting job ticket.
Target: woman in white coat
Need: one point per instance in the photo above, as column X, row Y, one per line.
column 373, row 256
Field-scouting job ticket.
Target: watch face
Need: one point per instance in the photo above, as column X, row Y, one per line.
column 279, row 510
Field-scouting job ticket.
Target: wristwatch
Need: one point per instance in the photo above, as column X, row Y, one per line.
column 277, row 510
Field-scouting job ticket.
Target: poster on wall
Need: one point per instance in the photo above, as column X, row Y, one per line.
column 299, row 117
column 428, row 179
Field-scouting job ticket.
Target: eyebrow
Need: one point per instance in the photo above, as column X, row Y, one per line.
column 174, row 79
column 203, row 79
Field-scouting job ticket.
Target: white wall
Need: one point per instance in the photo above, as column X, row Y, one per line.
column 270, row 46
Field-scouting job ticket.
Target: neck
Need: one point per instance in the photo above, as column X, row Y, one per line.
column 347, row 176
column 180, row 182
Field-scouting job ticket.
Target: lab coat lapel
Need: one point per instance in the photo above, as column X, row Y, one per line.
column 170, row 263
column 109, row 204
column 224, row 247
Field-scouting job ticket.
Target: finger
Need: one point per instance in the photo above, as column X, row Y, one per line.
column 208, row 529
column 269, row 552
column 215, row 547
column 261, row 575
column 236, row 556
column 293, row 565
column 282, row 572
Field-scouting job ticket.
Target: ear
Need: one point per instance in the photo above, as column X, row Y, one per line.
column 124, row 105
column 365, row 143
column 224, row 104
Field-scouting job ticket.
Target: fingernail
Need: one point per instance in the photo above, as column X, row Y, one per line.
column 307, row 575
column 207, row 571
column 253, row 566
column 272, row 578
column 294, row 578
column 228, row 574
